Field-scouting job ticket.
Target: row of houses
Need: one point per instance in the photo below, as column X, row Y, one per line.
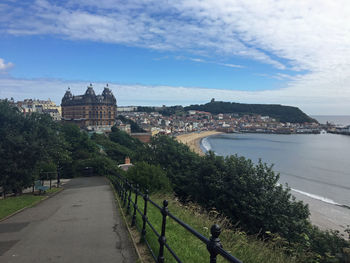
column 29, row 106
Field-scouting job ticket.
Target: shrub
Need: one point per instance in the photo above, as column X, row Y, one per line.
column 101, row 166
column 149, row 177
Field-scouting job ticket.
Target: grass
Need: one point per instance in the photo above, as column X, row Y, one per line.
column 10, row 205
column 190, row 249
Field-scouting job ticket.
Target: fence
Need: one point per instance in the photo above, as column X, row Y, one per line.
column 125, row 191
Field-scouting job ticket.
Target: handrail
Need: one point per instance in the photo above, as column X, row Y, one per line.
column 125, row 190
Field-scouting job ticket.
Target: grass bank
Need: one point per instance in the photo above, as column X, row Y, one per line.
column 190, row 249
column 13, row 204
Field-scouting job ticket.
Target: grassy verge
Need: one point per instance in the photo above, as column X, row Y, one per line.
column 190, row 249
column 10, row 205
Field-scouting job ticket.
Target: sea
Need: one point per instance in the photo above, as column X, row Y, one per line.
column 315, row 167
column 341, row 120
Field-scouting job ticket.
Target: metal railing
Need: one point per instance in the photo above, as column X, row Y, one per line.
column 125, row 189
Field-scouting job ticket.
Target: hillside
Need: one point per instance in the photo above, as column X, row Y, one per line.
column 280, row 112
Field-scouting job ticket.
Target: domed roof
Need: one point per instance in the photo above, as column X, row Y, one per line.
column 90, row 91
column 108, row 95
column 90, row 95
column 67, row 96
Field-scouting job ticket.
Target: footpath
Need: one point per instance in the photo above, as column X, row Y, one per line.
column 80, row 224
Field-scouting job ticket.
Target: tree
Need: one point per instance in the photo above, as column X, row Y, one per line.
column 25, row 142
column 180, row 163
column 149, row 177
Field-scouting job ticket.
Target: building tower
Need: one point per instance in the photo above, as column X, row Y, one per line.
column 90, row 111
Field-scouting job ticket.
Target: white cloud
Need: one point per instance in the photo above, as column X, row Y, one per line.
column 162, row 25
column 5, row 66
column 311, row 36
column 230, row 65
column 200, row 60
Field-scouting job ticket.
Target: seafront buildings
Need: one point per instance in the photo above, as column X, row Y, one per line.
column 193, row 121
column 90, row 111
column 99, row 113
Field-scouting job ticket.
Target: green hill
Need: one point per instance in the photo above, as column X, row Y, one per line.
column 279, row 112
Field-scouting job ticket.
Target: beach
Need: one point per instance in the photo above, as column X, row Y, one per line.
column 326, row 216
column 193, row 139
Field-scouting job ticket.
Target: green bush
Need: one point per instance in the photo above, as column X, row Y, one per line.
column 149, row 177
column 101, row 166
column 26, row 141
column 114, row 150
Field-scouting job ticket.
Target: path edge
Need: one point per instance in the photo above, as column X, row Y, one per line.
column 32, row 205
column 125, row 220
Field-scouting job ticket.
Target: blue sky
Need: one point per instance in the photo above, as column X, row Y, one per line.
column 179, row 52
column 101, row 62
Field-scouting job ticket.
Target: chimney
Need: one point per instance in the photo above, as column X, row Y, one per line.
column 127, row 160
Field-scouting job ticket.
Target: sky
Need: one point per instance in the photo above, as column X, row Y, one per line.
column 165, row 52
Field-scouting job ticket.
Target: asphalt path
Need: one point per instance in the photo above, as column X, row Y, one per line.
column 80, row 224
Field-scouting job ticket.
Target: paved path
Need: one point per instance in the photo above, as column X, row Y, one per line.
column 80, row 224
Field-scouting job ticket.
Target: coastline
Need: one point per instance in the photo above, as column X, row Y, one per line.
column 193, row 140
column 325, row 216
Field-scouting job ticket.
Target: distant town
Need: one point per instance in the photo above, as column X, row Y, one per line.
column 98, row 113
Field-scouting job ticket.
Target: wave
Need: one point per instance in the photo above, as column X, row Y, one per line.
column 317, row 197
column 315, row 180
column 205, row 144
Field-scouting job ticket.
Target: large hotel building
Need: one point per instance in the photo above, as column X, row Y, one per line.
column 90, row 111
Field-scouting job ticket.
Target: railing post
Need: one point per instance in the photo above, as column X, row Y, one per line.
column 214, row 242
column 162, row 238
column 119, row 186
column 126, row 187
column 144, row 217
column 129, row 199
column 133, row 220
column 122, row 189
column 125, row 192
column 116, row 184
column 121, row 183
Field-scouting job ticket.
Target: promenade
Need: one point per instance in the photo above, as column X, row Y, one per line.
column 80, row 224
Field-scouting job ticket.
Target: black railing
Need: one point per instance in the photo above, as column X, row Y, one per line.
column 125, row 190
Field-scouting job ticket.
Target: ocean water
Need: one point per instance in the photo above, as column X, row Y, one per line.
column 335, row 119
column 315, row 166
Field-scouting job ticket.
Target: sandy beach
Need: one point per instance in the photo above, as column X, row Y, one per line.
column 326, row 216
column 193, row 140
